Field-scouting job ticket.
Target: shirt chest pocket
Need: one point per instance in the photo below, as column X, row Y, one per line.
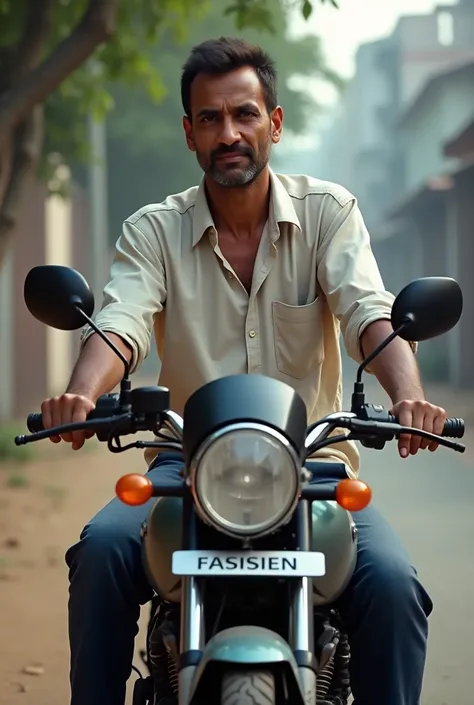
column 298, row 334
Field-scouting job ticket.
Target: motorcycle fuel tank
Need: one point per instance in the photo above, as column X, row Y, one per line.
column 334, row 534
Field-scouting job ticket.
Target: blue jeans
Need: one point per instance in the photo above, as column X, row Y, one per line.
column 385, row 608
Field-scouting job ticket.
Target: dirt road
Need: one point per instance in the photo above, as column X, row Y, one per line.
column 43, row 507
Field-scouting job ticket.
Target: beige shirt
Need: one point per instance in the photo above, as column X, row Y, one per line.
column 314, row 275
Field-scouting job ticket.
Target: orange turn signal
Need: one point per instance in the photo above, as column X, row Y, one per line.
column 353, row 495
column 134, row 489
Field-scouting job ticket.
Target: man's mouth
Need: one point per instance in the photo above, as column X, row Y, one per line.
column 230, row 156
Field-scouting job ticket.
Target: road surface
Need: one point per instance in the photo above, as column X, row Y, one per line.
column 429, row 499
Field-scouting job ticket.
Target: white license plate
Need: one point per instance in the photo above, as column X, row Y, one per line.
column 291, row 564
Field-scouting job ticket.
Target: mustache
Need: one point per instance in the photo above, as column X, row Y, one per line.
column 231, row 149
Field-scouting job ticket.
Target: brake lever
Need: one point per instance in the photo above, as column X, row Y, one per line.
column 389, row 431
column 93, row 424
column 446, row 442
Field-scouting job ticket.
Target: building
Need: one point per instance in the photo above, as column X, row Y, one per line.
column 436, row 213
column 36, row 360
column 461, row 149
column 412, row 93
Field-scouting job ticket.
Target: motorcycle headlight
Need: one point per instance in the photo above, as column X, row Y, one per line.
column 246, row 480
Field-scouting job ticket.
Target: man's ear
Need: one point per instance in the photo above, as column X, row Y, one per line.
column 188, row 131
column 277, row 124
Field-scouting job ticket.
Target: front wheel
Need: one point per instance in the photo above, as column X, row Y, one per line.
column 248, row 688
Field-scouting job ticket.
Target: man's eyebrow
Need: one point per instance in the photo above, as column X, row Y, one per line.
column 205, row 112
column 209, row 112
column 250, row 107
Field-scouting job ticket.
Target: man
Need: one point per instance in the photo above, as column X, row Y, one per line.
column 248, row 273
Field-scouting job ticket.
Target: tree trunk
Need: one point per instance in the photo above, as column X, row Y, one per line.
column 19, row 160
column 25, row 82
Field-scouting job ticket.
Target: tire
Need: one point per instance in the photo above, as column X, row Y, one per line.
column 248, row 688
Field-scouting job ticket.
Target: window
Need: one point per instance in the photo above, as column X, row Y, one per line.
column 445, row 28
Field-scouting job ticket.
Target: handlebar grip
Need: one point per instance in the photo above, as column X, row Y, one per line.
column 34, row 423
column 453, row 428
column 107, row 405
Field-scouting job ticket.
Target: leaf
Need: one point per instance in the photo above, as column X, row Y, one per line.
column 307, row 9
column 252, row 13
column 139, row 69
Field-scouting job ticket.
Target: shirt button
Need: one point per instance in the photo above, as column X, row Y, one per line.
column 252, row 334
column 230, row 275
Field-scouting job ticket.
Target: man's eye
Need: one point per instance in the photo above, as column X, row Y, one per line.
column 207, row 118
column 247, row 113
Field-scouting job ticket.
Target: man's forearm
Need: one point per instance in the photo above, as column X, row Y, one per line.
column 395, row 368
column 98, row 369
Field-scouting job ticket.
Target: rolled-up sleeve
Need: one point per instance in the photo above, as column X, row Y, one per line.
column 349, row 276
column 136, row 291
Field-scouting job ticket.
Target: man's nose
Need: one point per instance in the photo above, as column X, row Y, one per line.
column 229, row 134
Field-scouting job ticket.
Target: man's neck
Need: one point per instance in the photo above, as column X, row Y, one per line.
column 241, row 211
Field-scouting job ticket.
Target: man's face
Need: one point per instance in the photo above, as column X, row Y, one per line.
column 230, row 129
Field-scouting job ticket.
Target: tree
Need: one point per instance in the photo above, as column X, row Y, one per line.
column 45, row 50
column 147, row 154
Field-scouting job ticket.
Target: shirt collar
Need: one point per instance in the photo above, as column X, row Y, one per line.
column 281, row 208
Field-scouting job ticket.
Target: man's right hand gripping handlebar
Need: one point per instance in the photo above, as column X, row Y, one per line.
column 65, row 409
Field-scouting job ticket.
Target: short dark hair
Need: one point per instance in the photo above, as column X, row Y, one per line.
column 226, row 54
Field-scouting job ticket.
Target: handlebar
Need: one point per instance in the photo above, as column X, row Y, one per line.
column 147, row 405
column 34, row 422
column 453, row 427
column 107, row 405
column 373, row 425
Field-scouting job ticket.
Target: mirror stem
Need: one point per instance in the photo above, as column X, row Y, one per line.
column 125, row 385
column 358, row 396
column 378, row 350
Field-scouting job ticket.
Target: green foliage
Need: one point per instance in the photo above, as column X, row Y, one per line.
column 8, row 449
column 134, row 79
column 126, row 58
column 17, row 481
column 139, row 67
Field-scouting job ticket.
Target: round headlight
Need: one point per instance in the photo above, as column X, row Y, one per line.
column 246, row 480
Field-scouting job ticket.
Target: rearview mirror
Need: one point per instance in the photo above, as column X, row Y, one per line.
column 56, row 295
column 427, row 307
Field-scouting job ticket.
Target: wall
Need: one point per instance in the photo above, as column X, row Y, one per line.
column 461, row 256
column 48, row 231
column 423, row 53
column 29, row 336
column 442, row 113
column 58, row 250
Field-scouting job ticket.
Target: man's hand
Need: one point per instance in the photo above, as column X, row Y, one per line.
column 422, row 415
column 68, row 408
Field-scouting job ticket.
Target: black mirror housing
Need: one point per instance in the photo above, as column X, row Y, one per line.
column 55, row 295
column 427, row 308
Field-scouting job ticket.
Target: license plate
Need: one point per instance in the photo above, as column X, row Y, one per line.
column 288, row 564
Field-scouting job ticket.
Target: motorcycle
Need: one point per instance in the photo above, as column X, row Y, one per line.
column 246, row 556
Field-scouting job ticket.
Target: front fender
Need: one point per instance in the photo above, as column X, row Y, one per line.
column 242, row 646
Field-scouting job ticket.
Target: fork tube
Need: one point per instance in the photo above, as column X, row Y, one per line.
column 302, row 612
column 192, row 616
column 192, row 611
